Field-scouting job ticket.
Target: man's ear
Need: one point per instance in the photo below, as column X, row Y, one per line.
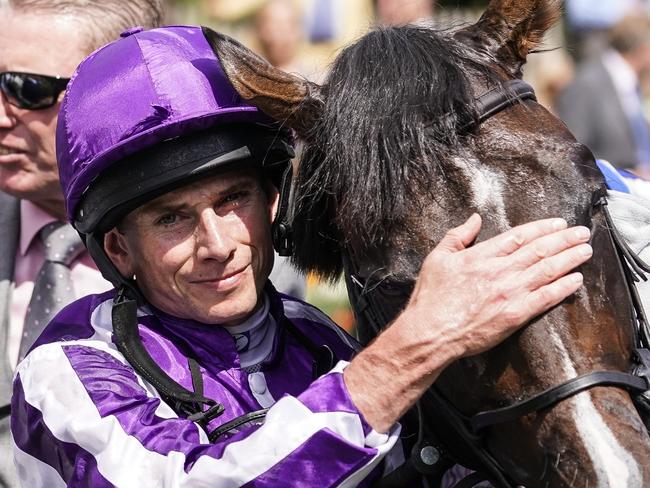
column 282, row 96
column 273, row 199
column 118, row 251
column 509, row 30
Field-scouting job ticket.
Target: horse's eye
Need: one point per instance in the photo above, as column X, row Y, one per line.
column 396, row 287
column 390, row 285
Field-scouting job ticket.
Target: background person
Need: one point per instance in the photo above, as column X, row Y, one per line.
column 192, row 239
column 399, row 12
column 279, row 31
column 588, row 23
column 603, row 107
column 46, row 39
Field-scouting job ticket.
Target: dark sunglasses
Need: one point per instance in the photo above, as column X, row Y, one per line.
column 30, row 91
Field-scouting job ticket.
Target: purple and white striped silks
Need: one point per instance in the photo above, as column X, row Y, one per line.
column 82, row 417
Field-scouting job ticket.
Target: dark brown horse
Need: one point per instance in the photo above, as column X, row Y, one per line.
column 394, row 156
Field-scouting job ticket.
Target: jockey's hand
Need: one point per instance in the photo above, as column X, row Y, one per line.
column 468, row 298
column 479, row 295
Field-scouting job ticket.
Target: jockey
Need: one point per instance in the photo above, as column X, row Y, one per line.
column 194, row 371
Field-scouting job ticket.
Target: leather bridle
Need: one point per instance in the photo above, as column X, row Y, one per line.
column 372, row 304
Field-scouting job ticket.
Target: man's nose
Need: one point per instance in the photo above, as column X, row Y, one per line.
column 214, row 238
column 7, row 117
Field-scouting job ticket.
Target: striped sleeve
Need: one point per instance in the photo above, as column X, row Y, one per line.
column 81, row 417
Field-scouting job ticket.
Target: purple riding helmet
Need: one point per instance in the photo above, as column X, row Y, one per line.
column 147, row 113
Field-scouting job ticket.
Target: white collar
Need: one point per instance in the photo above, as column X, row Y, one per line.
column 625, row 79
column 255, row 320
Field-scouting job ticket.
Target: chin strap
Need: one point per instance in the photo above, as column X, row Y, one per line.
column 193, row 405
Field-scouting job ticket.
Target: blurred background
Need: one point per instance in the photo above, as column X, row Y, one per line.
column 594, row 71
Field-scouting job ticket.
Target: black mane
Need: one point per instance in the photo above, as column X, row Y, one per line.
column 394, row 101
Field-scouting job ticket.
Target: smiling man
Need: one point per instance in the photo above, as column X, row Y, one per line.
column 195, row 371
column 233, row 211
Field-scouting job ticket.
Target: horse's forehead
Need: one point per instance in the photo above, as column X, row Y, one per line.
column 486, row 190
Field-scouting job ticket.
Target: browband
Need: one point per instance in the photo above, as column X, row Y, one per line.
column 498, row 99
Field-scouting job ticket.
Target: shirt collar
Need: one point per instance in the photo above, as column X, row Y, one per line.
column 255, row 320
column 214, row 344
column 32, row 220
column 623, row 76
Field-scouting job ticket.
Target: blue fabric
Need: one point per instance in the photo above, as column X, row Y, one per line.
column 322, row 28
column 628, row 175
column 588, row 14
column 614, row 179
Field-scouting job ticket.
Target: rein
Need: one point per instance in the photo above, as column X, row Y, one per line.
column 375, row 305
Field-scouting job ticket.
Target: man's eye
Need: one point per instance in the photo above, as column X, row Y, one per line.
column 234, row 198
column 167, row 219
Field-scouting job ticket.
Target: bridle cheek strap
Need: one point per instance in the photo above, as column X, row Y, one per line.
column 638, row 382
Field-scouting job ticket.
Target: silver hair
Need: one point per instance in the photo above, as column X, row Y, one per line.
column 103, row 20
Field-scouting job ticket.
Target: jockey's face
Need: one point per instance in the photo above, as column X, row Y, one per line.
column 201, row 252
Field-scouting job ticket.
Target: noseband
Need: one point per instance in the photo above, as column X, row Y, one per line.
column 377, row 304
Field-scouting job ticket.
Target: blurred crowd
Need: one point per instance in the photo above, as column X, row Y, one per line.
column 300, row 36
column 604, row 101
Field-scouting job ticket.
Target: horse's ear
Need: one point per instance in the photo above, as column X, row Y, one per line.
column 511, row 29
column 282, row 96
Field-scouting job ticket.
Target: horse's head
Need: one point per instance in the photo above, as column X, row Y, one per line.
column 394, row 157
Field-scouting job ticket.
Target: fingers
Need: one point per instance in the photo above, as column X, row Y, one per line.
column 553, row 268
column 549, row 295
column 549, row 245
column 462, row 236
column 508, row 242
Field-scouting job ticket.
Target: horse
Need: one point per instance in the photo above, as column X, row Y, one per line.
column 414, row 130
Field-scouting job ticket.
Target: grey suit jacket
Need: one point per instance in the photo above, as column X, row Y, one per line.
column 9, row 232
column 591, row 109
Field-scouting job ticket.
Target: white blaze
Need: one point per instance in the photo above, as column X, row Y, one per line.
column 613, row 465
column 487, row 187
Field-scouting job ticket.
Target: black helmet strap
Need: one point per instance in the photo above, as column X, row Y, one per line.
column 281, row 229
column 194, row 405
column 127, row 340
